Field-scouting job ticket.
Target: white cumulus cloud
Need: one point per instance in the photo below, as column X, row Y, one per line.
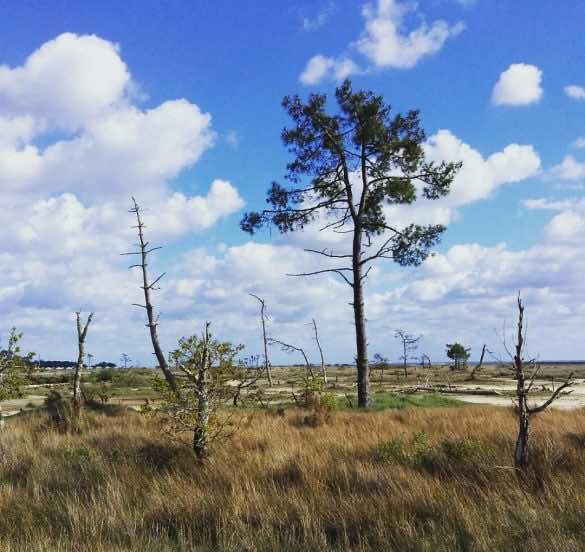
column 319, row 67
column 575, row 92
column 520, row 84
column 385, row 42
column 66, row 82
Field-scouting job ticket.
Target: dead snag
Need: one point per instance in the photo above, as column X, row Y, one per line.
column 523, row 387
column 289, row 349
column 409, row 345
column 263, row 317
column 323, row 370
column 81, row 335
column 147, row 286
column 478, row 366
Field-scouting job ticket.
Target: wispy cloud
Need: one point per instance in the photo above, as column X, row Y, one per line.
column 320, row 19
column 384, row 43
column 575, row 92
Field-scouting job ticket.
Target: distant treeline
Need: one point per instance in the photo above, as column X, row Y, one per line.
column 70, row 364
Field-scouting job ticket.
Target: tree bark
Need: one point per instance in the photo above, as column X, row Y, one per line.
column 521, row 450
column 323, row 371
column 266, row 361
column 201, row 430
column 81, row 335
column 363, row 370
column 264, row 338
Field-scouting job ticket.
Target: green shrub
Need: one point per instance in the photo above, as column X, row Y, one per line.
column 461, row 450
column 417, row 454
column 328, row 402
column 105, row 374
column 392, row 452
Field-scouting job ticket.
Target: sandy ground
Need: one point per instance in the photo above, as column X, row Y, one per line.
column 542, row 390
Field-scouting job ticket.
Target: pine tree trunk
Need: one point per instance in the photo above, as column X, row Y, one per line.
column 363, row 370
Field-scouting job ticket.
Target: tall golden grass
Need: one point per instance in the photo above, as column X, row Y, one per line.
column 280, row 485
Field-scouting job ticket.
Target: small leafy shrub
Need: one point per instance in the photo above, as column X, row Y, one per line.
column 328, row 402
column 448, row 457
column 392, row 452
column 417, row 453
column 105, row 374
column 313, row 397
column 461, row 450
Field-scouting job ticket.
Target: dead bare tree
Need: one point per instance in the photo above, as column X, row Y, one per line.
column 425, row 361
column 478, row 366
column 144, row 251
column 523, row 387
column 380, row 362
column 409, row 345
column 244, row 377
column 292, row 348
column 81, row 335
column 263, row 318
column 316, row 337
column 125, row 358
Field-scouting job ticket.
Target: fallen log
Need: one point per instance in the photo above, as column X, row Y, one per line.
column 453, row 390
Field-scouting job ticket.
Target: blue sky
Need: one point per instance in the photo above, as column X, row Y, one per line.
column 235, row 62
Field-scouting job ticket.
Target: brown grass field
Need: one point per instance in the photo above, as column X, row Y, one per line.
column 360, row 481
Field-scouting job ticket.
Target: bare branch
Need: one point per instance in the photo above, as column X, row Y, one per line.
column 289, row 348
column 568, row 383
column 335, row 270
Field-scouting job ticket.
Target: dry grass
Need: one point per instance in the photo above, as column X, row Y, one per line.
column 279, row 485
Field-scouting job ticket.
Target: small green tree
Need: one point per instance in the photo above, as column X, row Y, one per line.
column 210, row 370
column 458, row 354
column 15, row 367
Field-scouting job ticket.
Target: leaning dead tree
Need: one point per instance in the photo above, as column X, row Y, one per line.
column 147, row 286
column 524, row 385
column 478, row 366
column 81, row 335
column 316, row 338
column 263, row 317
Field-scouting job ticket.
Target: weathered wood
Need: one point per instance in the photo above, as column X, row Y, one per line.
column 81, row 336
column 323, row 370
column 478, row 366
column 524, row 412
column 454, row 391
column 264, row 338
column 147, row 286
column 201, row 432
